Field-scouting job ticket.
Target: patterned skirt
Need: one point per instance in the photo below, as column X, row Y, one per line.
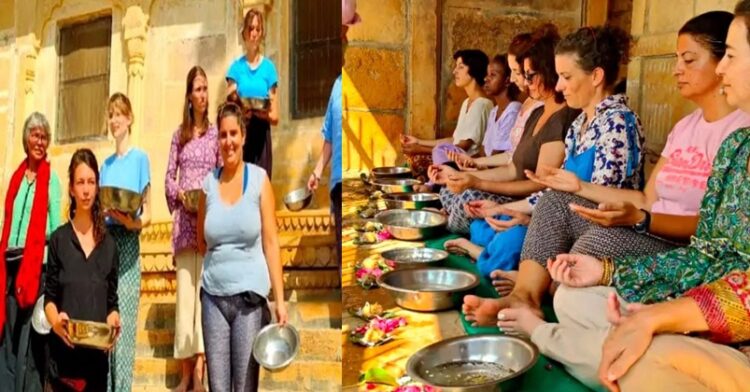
column 128, row 292
column 458, row 220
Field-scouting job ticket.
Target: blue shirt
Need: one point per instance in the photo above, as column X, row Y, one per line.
column 253, row 83
column 234, row 261
column 332, row 132
column 131, row 171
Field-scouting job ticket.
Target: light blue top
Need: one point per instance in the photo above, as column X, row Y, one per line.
column 131, row 171
column 332, row 132
column 253, row 83
column 234, row 261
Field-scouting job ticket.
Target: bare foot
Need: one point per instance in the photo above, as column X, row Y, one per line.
column 423, row 188
column 198, row 381
column 183, row 386
column 483, row 311
column 522, row 320
column 504, row 281
column 464, row 247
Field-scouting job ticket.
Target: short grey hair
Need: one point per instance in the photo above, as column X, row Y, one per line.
column 35, row 120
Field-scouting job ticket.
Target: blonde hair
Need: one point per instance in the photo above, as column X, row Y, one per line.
column 121, row 102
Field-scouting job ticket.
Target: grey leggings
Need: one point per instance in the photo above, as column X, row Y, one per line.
column 556, row 229
column 230, row 325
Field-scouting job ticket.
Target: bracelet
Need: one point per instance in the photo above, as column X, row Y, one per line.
column 609, row 269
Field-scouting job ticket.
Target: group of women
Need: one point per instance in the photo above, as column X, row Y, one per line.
column 88, row 268
column 649, row 277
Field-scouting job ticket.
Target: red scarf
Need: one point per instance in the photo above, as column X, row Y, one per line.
column 27, row 281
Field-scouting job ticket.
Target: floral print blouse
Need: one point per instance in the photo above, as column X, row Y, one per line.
column 719, row 246
column 186, row 169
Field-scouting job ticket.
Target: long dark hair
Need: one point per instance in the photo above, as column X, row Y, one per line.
column 86, row 157
column 186, row 129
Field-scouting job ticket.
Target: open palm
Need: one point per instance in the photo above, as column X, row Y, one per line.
column 574, row 270
column 555, row 178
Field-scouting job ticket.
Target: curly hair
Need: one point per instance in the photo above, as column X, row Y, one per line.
column 541, row 55
column 604, row 47
column 477, row 62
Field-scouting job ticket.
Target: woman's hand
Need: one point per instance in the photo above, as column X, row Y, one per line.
column 312, row 182
column 555, row 178
column 479, row 209
column 60, row 328
column 281, row 315
column 516, row 218
column 113, row 320
column 407, row 140
column 574, row 270
column 622, row 213
column 124, row 219
column 464, row 162
column 436, row 174
column 627, row 341
column 458, row 182
column 181, row 196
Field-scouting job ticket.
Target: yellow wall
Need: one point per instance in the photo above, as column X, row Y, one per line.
column 178, row 35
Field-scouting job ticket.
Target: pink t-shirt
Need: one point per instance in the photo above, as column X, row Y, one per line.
column 689, row 153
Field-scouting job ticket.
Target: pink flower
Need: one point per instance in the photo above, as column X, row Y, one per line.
column 390, row 264
column 376, row 272
column 384, row 235
column 362, row 272
column 371, row 386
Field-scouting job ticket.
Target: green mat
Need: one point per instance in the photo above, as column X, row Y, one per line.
column 546, row 375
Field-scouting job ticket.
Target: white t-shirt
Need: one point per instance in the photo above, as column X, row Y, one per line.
column 472, row 123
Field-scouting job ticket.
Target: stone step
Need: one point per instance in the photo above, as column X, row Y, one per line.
column 161, row 374
column 315, row 344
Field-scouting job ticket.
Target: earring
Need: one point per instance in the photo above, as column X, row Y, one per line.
column 721, row 91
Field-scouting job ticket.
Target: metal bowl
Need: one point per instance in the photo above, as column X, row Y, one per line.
column 275, row 346
column 412, row 225
column 391, row 172
column 260, row 104
column 414, row 257
column 411, row 201
column 124, row 200
column 91, row 334
column 192, row 197
column 394, row 185
column 427, row 289
column 472, row 363
column 298, row 199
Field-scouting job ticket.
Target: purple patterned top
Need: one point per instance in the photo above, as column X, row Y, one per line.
column 193, row 161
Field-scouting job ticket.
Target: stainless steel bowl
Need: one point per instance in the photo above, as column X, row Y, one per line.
column 412, row 225
column 472, row 363
column 427, row 289
column 394, row 185
column 275, row 346
column 391, row 172
column 192, row 197
column 411, row 201
column 113, row 198
column 414, row 257
column 260, row 104
column 90, row 334
column 298, row 199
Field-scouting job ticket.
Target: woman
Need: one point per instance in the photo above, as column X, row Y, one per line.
column 717, row 252
column 238, row 235
column 32, row 212
column 81, row 282
column 670, row 198
column 541, row 143
column 253, row 75
column 603, row 146
column 469, row 74
column 128, row 168
column 194, row 153
column 519, row 44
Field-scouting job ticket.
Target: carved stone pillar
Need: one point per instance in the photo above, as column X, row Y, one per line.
column 134, row 26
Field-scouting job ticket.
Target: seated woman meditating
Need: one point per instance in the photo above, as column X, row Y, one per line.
column 519, row 44
column 603, row 145
column 711, row 274
column 541, row 142
column 670, row 193
column 469, row 74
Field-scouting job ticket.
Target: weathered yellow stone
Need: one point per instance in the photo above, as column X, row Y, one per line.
column 668, row 16
column 388, row 24
column 423, row 73
column 370, row 140
column 702, row 6
column 374, row 78
column 7, row 16
column 657, row 44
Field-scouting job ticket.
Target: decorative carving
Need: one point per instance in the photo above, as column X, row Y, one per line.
column 306, row 279
column 309, row 256
column 263, row 5
column 157, row 232
column 28, row 64
column 158, row 282
column 307, row 224
column 154, row 263
column 48, row 8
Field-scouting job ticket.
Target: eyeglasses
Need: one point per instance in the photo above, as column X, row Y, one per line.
column 529, row 76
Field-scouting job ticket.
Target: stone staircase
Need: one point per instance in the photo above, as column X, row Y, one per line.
column 312, row 292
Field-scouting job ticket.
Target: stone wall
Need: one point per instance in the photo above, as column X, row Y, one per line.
column 651, row 86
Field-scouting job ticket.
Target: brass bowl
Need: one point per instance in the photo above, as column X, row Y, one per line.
column 298, row 199
column 123, row 200
column 412, row 225
column 192, row 197
column 259, row 104
column 390, row 172
column 91, row 334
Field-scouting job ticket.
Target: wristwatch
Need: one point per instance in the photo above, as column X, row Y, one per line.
column 643, row 226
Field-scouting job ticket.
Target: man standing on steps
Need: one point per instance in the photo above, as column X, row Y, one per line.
column 332, row 130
